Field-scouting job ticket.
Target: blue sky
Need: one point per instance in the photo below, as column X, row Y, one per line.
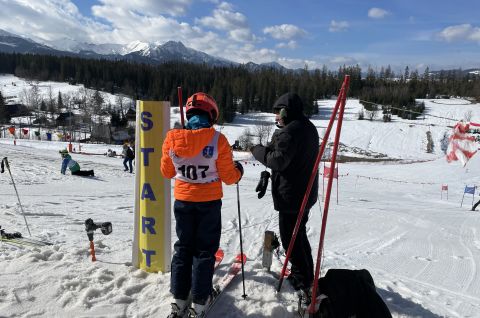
column 438, row 34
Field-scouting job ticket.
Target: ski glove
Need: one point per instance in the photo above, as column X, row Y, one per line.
column 239, row 166
column 262, row 184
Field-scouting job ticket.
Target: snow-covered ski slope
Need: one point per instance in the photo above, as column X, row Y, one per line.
column 423, row 252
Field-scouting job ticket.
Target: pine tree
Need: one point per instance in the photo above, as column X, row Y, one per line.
column 4, row 117
column 60, row 101
column 406, row 75
column 43, row 106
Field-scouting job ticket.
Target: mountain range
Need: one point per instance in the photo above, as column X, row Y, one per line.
column 137, row 51
column 150, row 53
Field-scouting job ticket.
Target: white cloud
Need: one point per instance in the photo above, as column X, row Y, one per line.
column 284, row 32
column 337, row 26
column 298, row 63
column 461, row 32
column 377, row 13
column 47, row 20
column 224, row 18
column 342, row 60
column 149, row 7
column 287, row 45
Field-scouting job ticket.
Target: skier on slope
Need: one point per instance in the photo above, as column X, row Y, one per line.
column 290, row 155
column 73, row 165
column 199, row 158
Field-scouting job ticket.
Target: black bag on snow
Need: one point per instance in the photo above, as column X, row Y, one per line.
column 350, row 293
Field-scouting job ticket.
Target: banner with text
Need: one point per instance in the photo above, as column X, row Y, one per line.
column 152, row 230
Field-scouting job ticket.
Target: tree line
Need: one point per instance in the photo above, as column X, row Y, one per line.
column 239, row 88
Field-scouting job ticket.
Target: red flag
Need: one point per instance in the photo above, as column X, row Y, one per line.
column 444, row 187
column 326, row 172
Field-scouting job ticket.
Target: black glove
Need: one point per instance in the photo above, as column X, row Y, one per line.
column 239, row 166
column 262, row 184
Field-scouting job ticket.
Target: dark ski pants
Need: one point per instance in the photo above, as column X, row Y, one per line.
column 129, row 160
column 301, row 273
column 198, row 227
column 83, row 173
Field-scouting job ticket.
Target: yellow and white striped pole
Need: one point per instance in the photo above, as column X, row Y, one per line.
column 151, row 247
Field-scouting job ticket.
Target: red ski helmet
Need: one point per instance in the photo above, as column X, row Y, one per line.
column 204, row 103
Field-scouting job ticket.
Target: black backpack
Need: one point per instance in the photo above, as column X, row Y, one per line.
column 350, row 293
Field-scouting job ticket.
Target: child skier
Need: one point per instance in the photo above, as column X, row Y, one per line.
column 73, row 165
column 199, row 158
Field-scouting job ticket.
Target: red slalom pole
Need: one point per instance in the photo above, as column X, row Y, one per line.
column 92, row 251
column 180, row 103
column 309, row 187
column 327, row 197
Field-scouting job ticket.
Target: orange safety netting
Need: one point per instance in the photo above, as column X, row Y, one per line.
column 462, row 146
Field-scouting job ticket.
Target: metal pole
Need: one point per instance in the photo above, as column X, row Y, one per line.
column 241, row 240
column 180, row 103
column 18, row 197
column 327, row 198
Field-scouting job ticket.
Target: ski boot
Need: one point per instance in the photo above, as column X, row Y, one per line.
column 322, row 306
column 196, row 311
column 179, row 309
column 304, row 300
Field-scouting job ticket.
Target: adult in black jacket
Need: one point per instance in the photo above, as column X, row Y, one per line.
column 291, row 155
column 128, row 156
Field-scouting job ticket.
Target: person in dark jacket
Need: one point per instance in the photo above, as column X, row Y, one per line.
column 128, row 156
column 291, row 155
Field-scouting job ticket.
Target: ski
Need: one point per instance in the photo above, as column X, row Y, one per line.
column 18, row 239
column 218, row 258
column 218, row 289
column 28, row 241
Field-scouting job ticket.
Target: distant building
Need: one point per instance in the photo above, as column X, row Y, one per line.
column 17, row 110
column 65, row 119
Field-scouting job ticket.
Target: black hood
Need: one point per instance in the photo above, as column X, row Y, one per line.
column 293, row 105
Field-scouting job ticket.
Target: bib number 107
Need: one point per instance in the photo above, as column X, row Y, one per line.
column 191, row 171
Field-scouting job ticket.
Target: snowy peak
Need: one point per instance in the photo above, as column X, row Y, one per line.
column 11, row 43
column 137, row 46
column 71, row 45
column 174, row 46
column 5, row 33
column 170, row 51
column 137, row 51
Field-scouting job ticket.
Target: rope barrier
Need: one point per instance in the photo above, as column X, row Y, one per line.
column 397, row 181
column 411, row 111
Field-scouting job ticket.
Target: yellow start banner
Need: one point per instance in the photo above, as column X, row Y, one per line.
column 151, row 248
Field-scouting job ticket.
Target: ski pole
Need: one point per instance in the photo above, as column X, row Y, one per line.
column 241, row 241
column 180, row 103
column 5, row 160
column 327, row 197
